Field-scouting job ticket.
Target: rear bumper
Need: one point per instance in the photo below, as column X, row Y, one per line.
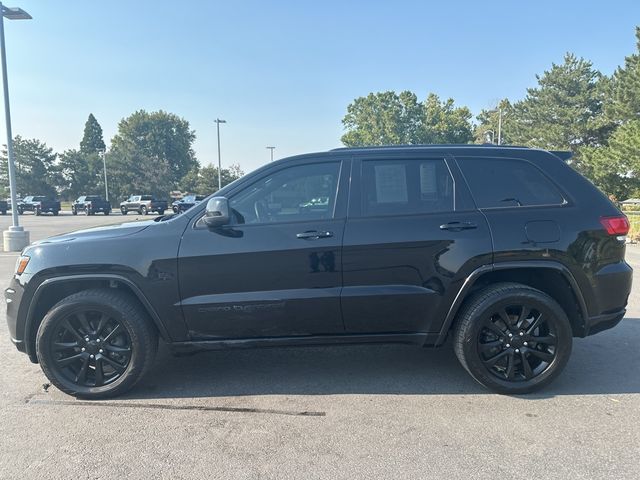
column 599, row 323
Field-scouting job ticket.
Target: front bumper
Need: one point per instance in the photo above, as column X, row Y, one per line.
column 13, row 299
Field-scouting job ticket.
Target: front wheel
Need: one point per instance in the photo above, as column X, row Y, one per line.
column 123, row 210
column 37, row 212
column 107, row 212
column 55, row 213
column 160, row 212
column 96, row 343
column 143, row 210
column 512, row 338
column 87, row 211
column 74, row 211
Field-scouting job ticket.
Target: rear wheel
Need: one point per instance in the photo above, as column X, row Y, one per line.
column 74, row 211
column 87, row 211
column 96, row 343
column 56, row 212
column 107, row 212
column 143, row 210
column 513, row 338
column 123, row 210
column 37, row 211
column 160, row 212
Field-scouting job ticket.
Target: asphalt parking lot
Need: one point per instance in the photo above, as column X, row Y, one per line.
column 339, row 412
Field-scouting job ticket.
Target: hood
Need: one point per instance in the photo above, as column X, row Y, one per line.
column 99, row 233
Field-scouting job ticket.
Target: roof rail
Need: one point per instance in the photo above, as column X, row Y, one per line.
column 562, row 154
column 429, row 145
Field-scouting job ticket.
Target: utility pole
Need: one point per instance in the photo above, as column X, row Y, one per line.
column 218, row 122
column 499, row 126
column 272, row 149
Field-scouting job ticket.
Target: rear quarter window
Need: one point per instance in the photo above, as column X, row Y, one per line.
column 498, row 182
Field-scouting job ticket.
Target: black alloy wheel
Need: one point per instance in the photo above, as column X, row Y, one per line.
column 512, row 338
column 96, row 343
column 91, row 348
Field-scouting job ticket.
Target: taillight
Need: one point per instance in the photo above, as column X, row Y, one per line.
column 615, row 225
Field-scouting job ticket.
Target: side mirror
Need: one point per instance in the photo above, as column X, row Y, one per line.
column 217, row 212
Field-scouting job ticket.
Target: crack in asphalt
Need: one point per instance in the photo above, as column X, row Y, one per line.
column 164, row 406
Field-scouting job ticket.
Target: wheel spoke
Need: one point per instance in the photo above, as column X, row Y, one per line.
column 101, row 324
column 82, row 374
column 57, row 346
column 485, row 347
column 82, row 318
column 99, row 372
column 522, row 318
column 547, row 340
column 545, row 356
column 504, row 316
column 70, row 328
column 112, row 333
column 65, row 362
column 536, row 323
column 526, row 366
column 511, row 366
column 495, row 330
column 492, row 361
column 116, row 349
column 119, row 368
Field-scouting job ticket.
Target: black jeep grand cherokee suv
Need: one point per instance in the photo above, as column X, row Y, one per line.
column 508, row 251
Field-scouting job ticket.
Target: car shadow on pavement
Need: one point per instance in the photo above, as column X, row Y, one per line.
column 607, row 363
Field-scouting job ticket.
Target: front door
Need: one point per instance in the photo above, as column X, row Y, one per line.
column 412, row 237
column 276, row 270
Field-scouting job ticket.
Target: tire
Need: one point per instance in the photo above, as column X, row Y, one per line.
column 160, row 212
column 74, row 211
column 106, row 212
column 123, row 210
column 132, row 346
column 143, row 210
column 20, row 211
column 87, row 212
column 37, row 212
column 175, row 209
column 56, row 212
column 496, row 354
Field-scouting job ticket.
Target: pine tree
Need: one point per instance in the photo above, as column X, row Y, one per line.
column 92, row 141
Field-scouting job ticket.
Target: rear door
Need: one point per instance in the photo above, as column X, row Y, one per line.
column 412, row 236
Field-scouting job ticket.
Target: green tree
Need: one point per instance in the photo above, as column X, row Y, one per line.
column 151, row 153
column 488, row 124
column 389, row 118
column 562, row 112
column 204, row 180
column 92, row 141
column 35, row 167
column 615, row 168
column 624, row 101
column 82, row 174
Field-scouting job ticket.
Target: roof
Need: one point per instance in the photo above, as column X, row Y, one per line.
column 432, row 146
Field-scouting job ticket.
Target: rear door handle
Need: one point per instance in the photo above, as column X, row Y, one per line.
column 313, row 235
column 457, row 226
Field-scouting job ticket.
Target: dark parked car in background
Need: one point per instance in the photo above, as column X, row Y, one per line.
column 143, row 204
column 90, row 205
column 39, row 204
column 4, row 206
column 186, row 203
column 508, row 251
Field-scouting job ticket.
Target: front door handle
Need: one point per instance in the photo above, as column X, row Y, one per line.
column 313, row 235
column 457, row 226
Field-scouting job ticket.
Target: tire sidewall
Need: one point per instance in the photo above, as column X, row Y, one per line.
column 541, row 302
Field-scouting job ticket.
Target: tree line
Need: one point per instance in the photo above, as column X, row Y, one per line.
column 573, row 107
column 151, row 153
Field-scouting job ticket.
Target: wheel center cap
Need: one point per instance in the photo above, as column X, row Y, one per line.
column 516, row 342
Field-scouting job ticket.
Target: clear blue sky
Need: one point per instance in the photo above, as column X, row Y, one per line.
column 282, row 73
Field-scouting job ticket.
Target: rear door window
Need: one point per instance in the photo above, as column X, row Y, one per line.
column 498, row 182
column 402, row 187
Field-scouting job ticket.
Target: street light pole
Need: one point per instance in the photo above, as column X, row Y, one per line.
column 104, row 165
column 499, row 126
column 272, row 149
column 16, row 238
column 218, row 122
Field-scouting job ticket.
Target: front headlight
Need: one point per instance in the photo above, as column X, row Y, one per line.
column 21, row 264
